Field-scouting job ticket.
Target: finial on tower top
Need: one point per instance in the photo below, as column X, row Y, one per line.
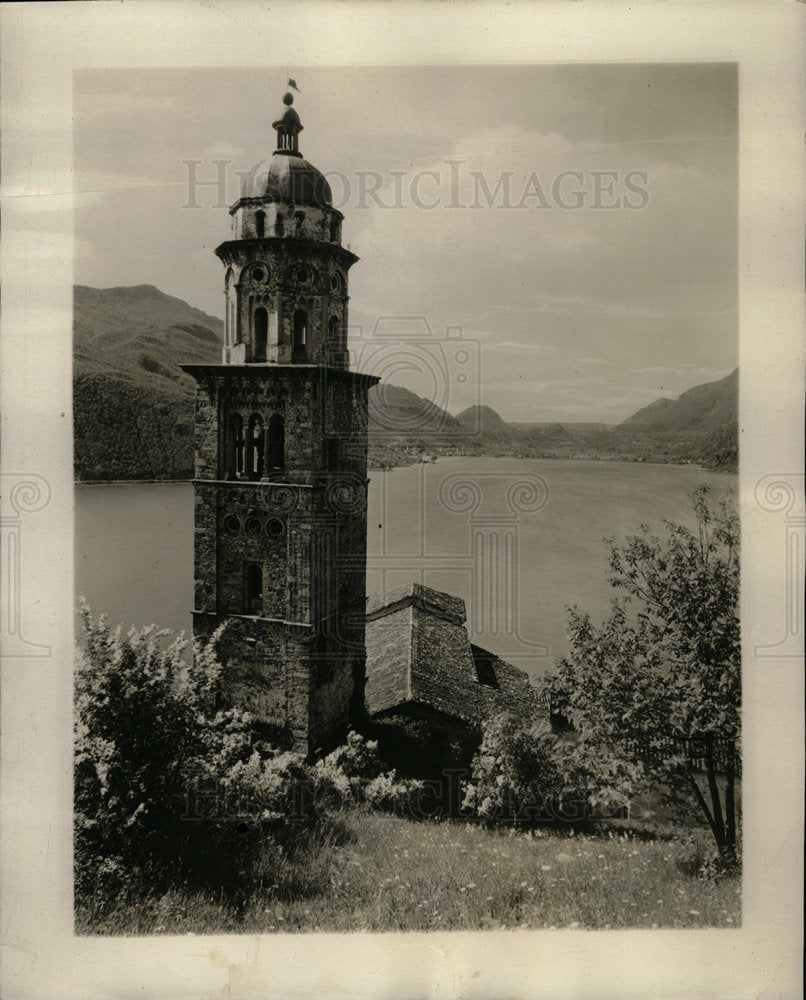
column 288, row 126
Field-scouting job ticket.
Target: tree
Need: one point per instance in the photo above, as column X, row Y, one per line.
column 654, row 694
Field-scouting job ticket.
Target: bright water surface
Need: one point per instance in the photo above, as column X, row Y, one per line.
column 134, row 542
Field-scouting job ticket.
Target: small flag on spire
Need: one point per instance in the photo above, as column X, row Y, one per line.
column 293, row 85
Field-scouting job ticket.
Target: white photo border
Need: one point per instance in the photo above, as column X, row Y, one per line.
column 42, row 45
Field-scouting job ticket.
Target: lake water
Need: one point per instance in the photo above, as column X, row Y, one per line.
column 518, row 539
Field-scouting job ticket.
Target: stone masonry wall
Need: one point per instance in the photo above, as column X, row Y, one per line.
column 419, row 654
column 389, row 660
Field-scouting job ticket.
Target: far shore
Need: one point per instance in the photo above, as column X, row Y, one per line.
column 626, row 461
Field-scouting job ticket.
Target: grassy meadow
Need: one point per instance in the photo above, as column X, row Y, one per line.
column 366, row 871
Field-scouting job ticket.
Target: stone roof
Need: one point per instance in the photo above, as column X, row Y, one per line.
column 287, row 178
column 419, row 654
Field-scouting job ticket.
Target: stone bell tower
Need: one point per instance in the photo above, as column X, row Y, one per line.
column 281, row 461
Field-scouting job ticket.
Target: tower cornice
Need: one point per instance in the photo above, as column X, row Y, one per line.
column 257, row 201
column 231, row 250
column 259, row 370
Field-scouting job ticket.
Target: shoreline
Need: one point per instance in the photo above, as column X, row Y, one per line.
column 407, row 465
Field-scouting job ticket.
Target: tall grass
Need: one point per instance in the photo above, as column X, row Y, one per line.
column 371, row 872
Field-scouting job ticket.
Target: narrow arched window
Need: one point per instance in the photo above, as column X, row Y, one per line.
column 300, row 341
column 260, row 224
column 253, row 589
column 234, row 448
column 254, row 440
column 276, row 443
column 261, row 333
column 333, row 329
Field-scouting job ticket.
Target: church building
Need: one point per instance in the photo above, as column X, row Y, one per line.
column 281, row 461
column 280, row 493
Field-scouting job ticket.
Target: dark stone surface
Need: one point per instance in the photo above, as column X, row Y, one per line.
column 419, row 652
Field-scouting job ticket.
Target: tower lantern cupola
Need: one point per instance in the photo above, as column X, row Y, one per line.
column 286, row 270
column 288, row 128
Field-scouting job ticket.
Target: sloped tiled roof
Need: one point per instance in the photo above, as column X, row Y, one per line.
column 419, row 653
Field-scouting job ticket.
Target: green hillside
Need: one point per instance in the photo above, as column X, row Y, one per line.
column 133, row 406
column 705, row 408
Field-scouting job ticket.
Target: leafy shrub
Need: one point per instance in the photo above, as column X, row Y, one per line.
column 168, row 789
column 172, row 793
column 388, row 793
column 520, row 774
column 353, row 773
column 704, row 861
column 356, row 759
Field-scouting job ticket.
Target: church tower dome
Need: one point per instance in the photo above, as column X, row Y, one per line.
column 286, row 176
column 286, row 279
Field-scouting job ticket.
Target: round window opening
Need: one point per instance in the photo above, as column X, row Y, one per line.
column 232, row 524
column 253, row 526
column 259, row 274
column 303, row 275
column 275, row 528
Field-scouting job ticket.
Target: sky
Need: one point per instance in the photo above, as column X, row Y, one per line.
column 558, row 242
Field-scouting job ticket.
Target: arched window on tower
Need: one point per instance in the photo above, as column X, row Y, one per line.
column 260, row 224
column 261, row 333
column 253, row 589
column 234, row 449
column 276, row 455
column 299, row 351
column 254, row 441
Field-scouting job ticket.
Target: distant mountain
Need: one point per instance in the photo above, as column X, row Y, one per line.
column 482, row 419
column 703, row 409
column 141, row 332
column 586, row 425
column 393, row 409
column 133, row 406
